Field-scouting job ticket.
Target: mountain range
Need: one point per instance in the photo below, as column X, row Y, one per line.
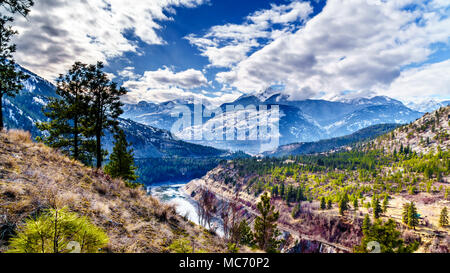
column 25, row 110
column 300, row 120
column 147, row 124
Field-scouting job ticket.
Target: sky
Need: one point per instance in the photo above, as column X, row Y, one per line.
column 218, row 50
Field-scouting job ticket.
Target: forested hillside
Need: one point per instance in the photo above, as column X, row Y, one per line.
column 327, row 196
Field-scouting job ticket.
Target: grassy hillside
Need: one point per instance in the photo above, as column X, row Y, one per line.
column 34, row 177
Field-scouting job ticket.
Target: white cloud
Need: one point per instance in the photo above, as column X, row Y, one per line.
column 432, row 80
column 166, row 78
column 164, row 85
column 350, row 45
column 226, row 45
column 59, row 32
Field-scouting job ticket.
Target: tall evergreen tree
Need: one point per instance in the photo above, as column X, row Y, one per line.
column 323, row 204
column 366, row 225
column 329, row 204
column 343, row 204
column 68, row 126
column 405, row 213
column 385, row 203
column 105, row 106
column 121, row 160
column 443, row 219
column 265, row 227
column 10, row 78
column 413, row 218
column 388, row 237
column 377, row 209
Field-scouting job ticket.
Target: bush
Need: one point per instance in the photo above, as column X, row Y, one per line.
column 58, row 231
column 181, row 246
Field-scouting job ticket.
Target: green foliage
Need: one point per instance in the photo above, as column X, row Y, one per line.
column 245, row 233
column 443, row 219
column 232, row 248
column 68, row 126
column 10, row 78
column 53, row 230
column 387, row 236
column 87, row 105
column 410, row 216
column 323, row 204
column 265, row 227
column 366, row 225
column 355, row 203
column 182, row 245
column 385, row 203
column 121, row 160
column 343, row 204
column 376, row 208
column 329, row 204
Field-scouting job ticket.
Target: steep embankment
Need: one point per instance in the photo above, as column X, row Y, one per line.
column 34, row 177
column 310, row 233
column 425, row 135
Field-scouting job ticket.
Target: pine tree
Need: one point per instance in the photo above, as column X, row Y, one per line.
column 121, row 160
column 413, row 219
column 323, row 204
column 405, row 213
column 366, row 224
column 10, row 78
column 265, row 226
column 343, row 204
column 68, row 129
column 443, row 219
column 388, row 237
column 105, row 106
column 329, row 204
column 355, row 203
column 377, row 209
column 299, row 196
column 374, row 201
column 385, row 203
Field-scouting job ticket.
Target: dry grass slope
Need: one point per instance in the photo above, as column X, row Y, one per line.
column 425, row 135
column 34, row 177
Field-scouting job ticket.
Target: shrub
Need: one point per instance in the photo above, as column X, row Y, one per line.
column 181, row 246
column 57, row 231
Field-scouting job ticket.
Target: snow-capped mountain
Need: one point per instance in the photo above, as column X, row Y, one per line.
column 427, row 106
column 25, row 110
column 300, row 121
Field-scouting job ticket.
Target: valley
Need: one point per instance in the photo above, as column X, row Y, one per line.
column 354, row 149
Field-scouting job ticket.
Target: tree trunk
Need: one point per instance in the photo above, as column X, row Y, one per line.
column 75, row 139
column 99, row 147
column 1, row 112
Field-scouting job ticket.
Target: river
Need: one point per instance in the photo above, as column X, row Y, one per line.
column 171, row 193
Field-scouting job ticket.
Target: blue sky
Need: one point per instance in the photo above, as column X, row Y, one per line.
column 218, row 50
column 178, row 52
